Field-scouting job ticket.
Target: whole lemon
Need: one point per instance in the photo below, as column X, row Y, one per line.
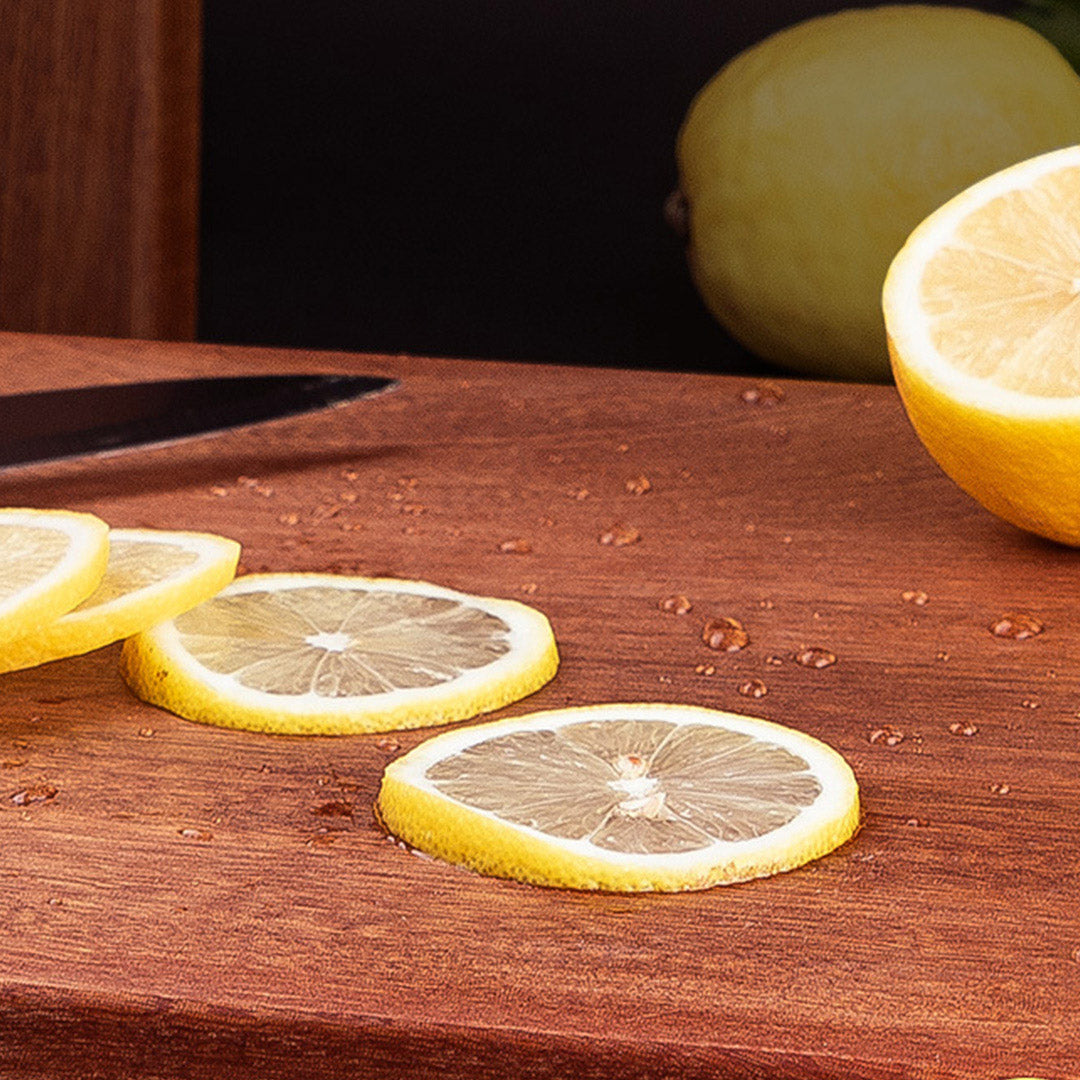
column 807, row 160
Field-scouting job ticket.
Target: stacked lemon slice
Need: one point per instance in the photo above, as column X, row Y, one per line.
column 69, row 584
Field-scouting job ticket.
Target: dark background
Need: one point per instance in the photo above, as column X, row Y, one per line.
column 475, row 178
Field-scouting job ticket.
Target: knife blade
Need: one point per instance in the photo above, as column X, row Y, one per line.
column 48, row 425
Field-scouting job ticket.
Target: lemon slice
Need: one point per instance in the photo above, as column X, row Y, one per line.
column 50, row 560
column 151, row 576
column 982, row 308
column 626, row 798
column 331, row 655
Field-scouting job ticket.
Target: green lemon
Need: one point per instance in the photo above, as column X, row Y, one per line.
column 806, row 161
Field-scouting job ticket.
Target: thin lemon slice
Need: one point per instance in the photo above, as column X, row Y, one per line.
column 982, row 308
column 331, row 655
column 626, row 798
column 50, row 560
column 152, row 575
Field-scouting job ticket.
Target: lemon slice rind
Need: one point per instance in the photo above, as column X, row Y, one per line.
column 68, row 582
column 160, row 670
column 93, row 625
column 413, row 810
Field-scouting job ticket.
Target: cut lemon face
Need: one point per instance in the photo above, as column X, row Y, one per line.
column 331, row 655
column 625, row 798
column 50, row 560
column 982, row 308
column 152, row 575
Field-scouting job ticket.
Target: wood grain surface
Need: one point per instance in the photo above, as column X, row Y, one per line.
column 183, row 906
column 99, row 152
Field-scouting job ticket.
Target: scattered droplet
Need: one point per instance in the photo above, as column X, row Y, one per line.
column 1030, row 703
column 146, row 732
column 943, row 656
column 1000, row 789
column 35, row 793
column 640, row 485
column 196, row 834
column 622, row 448
column 677, row 604
column 917, row 822
column 529, row 588
column 964, row 727
column 890, row 736
column 767, row 394
column 579, row 493
column 663, row 678
column 753, row 688
column 774, row 661
column 387, row 743
column 334, row 808
column 321, row 839
column 350, row 475
column 1016, row 627
column 915, row 596
column 220, row 492
column 516, row 547
column 725, row 635
column 289, row 519
column 768, row 605
column 620, row 535
column 815, row 657
column 785, row 539
column 705, row 669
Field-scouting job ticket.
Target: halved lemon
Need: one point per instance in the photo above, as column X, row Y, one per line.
column 152, row 575
column 332, row 655
column 50, row 560
column 982, row 309
column 625, row 798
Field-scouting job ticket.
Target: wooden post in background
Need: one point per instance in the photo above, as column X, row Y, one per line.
column 99, row 166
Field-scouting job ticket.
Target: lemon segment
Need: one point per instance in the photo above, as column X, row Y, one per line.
column 624, row 798
column 332, row 655
column 151, row 575
column 50, row 560
column 807, row 160
column 982, row 309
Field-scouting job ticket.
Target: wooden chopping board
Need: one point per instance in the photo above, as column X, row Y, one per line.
column 201, row 903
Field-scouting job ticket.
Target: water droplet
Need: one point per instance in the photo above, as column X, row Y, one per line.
column 915, row 596
column 753, row 688
column 516, row 547
column 620, row 535
column 943, row 656
column 815, row 657
column 767, row 394
column 622, row 448
column 146, row 732
column 196, row 834
column 725, row 635
column 917, row 822
column 640, row 485
column 705, row 669
column 890, row 736
column 677, row 605
column 529, row 588
column 334, row 808
column 321, row 839
column 1030, row 703
column 963, row 728
column 1000, row 789
column 35, row 793
column 774, row 661
column 1017, row 627
column 386, row 743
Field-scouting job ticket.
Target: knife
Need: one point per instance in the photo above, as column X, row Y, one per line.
column 47, row 425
